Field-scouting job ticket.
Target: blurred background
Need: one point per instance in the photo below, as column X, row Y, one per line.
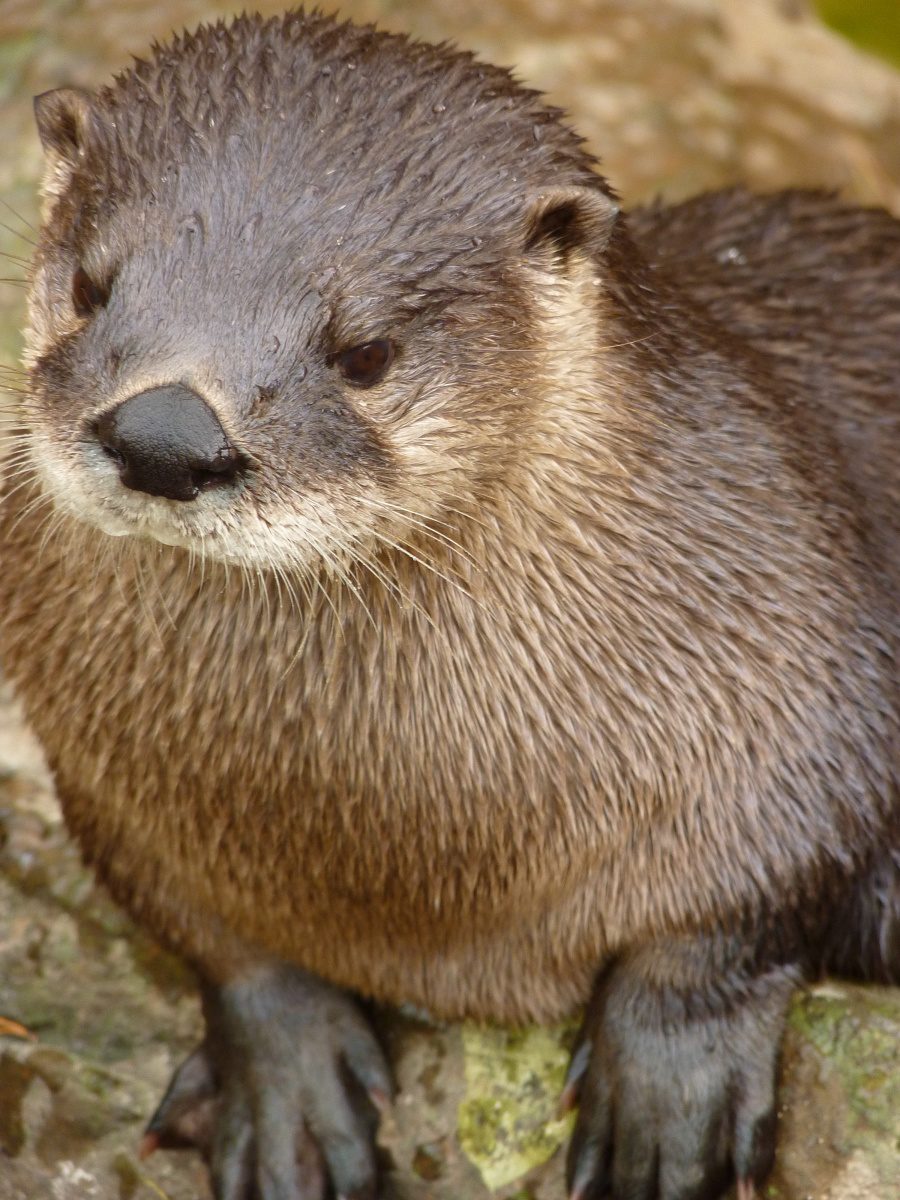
column 675, row 97
column 872, row 24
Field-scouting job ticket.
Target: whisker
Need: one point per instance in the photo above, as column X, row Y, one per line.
column 157, row 577
column 52, row 528
column 9, row 208
column 541, row 351
column 302, row 578
column 17, row 463
column 454, row 583
column 121, row 559
column 418, row 521
column 345, row 577
column 18, row 457
column 393, row 586
column 18, row 233
column 100, row 550
column 137, row 574
column 15, row 438
column 322, row 590
column 284, row 578
column 262, row 583
column 31, row 507
column 15, row 448
column 276, row 574
column 382, row 577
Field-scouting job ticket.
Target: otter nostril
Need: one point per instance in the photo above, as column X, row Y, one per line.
column 168, row 442
column 218, row 473
column 111, row 452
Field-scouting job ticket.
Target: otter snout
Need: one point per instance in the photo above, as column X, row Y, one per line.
column 168, row 442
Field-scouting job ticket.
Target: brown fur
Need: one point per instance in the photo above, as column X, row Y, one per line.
column 576, row 631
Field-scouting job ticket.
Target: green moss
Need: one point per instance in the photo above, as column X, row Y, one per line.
column 506, row 1123
column 872, row 24
column 856, row 1031
column 128, row 1176
column 479, row 1123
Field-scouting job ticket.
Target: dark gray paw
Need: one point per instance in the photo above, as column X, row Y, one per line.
column 282, row 1096
column 676, row 1092
column 862, row 939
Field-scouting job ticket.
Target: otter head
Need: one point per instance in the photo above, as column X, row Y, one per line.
column 282, row 305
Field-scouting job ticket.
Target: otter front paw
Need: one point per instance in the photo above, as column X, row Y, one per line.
column 282, row 1095
column 675, row 1086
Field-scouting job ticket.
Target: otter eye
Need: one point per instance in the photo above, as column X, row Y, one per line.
column 365, row 365
column 87, row 296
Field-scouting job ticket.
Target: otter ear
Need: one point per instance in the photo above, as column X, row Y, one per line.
column 67, row 122
column 570, row 219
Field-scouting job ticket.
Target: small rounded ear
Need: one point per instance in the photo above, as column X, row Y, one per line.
column 64, row 118
column 570, row 219
column 67, row 121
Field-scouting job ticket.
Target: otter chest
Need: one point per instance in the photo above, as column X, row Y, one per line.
column 281, row 770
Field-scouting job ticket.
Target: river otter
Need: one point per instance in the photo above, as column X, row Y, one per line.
column 430, row 583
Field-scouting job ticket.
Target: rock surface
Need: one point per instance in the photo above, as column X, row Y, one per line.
column 677, row 97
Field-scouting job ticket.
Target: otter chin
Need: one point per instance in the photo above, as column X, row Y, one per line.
column 433, row 584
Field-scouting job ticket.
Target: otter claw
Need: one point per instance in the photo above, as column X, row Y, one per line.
column 568, row 1098
column 674, row 1110
column 185, row 1116
column 294, row 1068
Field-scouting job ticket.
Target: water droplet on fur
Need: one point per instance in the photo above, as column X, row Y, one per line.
column 731, row 255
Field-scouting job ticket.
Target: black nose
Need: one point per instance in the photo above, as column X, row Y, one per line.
column 168, row 442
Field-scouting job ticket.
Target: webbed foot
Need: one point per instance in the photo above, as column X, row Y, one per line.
column 282, row 1096
column 675, row 1085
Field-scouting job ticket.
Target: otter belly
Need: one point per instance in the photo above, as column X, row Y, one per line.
column 226, row 777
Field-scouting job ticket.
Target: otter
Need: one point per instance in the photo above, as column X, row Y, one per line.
column 432, row 584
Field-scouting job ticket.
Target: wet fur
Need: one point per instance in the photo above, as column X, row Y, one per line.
column 630, row 670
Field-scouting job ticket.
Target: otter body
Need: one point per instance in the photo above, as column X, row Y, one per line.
column 423, row 583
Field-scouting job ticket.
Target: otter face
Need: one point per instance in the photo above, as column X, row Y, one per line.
column 284, row 316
